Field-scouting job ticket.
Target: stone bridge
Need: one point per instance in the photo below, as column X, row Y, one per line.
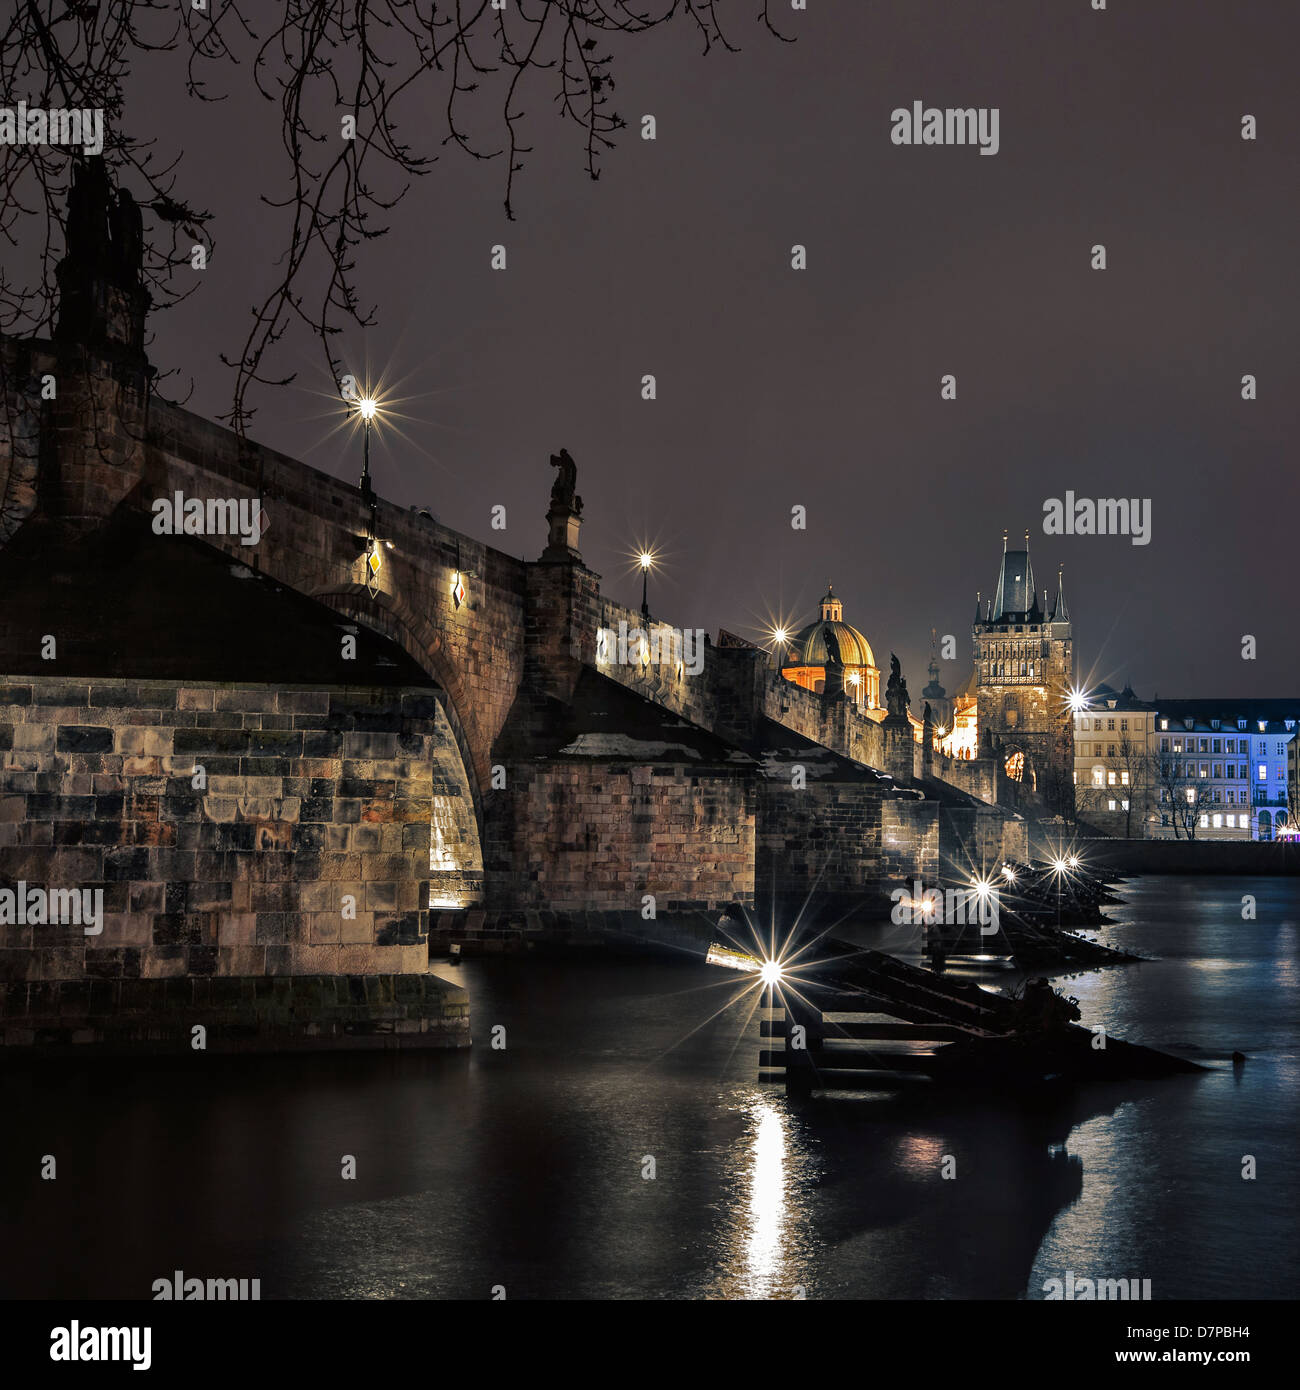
column 285, row 765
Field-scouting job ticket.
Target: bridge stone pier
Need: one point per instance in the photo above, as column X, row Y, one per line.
column 274, row 772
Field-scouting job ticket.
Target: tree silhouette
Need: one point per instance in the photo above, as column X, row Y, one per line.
column 372, row 65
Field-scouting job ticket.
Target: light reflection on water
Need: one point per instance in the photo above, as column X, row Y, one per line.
column 524, row 1167
column 766, row 1204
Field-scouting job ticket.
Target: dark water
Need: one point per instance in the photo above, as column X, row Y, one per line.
column 524, row 1167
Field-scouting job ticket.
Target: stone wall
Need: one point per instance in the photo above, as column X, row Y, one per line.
column 826, row 833
column 976, row 776
column 600, row 835
column 116, row 445
column 307, row 798
column 909, row 841
column 980, row 839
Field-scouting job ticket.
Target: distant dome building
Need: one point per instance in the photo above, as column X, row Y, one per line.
column 805, row 655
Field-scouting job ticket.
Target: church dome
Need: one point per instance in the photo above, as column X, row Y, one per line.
column 808, row 646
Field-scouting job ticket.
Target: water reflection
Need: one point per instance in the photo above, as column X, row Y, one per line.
column 766, row 1203
column 764, row 1236
column 523, row 1167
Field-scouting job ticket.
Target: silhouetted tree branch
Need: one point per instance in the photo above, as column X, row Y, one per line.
column 374, row 66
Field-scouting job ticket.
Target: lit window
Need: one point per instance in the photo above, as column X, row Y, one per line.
column 1218, row 822
column 1110, row 779
column 1263, row 773
column 1123, row 779
column 1110, row 805
column 1204, row 821
column 1123, row 805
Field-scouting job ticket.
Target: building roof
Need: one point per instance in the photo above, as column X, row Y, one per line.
column 1272, row 713
column 1015, row 596
column 1107, row 697
column 808, row 647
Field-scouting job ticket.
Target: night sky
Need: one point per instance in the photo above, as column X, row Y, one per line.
column 821, row 387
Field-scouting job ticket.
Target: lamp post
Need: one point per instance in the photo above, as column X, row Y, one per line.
column 647, row 559
column 366, row 408
column 1058, row 865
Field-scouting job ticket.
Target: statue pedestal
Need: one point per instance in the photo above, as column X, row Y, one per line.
column 97, row 314
column 900, row 748
column 562, row 543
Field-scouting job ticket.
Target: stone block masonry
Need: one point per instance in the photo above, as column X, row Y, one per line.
column 323, row 822
column 601, row 835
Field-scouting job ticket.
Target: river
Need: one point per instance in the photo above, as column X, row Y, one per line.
column 619, row 1146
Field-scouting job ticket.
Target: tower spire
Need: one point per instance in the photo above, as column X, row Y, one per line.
column 1061, row 612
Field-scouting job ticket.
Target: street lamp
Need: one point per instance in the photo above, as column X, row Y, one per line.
column 646, row 559
column 367, row 408
column 1059, row 865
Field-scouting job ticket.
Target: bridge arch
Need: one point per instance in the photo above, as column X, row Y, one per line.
column 456, row 799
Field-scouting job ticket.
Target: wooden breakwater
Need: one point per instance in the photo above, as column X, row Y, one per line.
column 860, row 1019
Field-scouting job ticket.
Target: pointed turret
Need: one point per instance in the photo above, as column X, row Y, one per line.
column 1061, row 612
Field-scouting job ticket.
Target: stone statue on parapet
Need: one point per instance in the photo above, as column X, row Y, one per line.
column 564, row 490
column 87, row 237
column 127, row 228
column 896, row 697
column 833, row 691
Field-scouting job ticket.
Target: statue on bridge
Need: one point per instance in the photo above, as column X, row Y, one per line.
column 127, row 228
column 564, row 490
column 833, row 684
column 896, row 697
column 86, row 237
column 103, row 247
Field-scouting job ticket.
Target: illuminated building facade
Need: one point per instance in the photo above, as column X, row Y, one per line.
column 1024, row 672
column 804, row 657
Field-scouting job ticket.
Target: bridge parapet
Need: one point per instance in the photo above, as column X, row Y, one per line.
column 735, row 689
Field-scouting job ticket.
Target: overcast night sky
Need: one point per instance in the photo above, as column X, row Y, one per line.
column 821, row 387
